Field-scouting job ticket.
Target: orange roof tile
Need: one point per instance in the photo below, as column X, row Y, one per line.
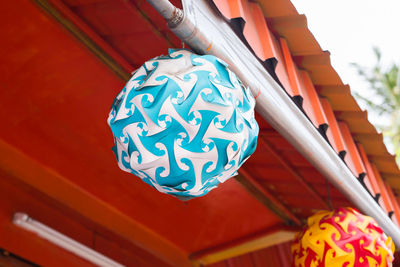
column 303, row 66
column 333, row 132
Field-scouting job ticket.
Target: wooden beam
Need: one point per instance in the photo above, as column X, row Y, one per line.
column 63, row 15
column 47, row 181
column 266, row 198
column 295, row 174
column 270, row 237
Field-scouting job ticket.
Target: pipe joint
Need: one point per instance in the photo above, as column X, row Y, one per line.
column 176, row 19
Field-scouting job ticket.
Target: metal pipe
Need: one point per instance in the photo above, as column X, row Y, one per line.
column 168, row 11
column 24, row 221
column 205, row 31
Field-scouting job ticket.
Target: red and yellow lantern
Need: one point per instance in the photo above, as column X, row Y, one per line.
column 342, row 237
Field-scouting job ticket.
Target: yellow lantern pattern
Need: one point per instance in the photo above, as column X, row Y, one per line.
column 342, row 238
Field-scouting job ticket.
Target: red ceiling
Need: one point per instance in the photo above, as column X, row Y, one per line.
column 55, row 100
column 56, row 95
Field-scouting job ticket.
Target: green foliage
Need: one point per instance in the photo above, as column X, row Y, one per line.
column 385, row 83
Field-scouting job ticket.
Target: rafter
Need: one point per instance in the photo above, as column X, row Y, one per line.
column 60, row 189
column 87, row 36
column 266, row 198
column 293, row 172
column 264, row 239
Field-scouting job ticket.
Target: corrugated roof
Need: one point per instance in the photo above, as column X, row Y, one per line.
column 304, row 70
column 124, row 30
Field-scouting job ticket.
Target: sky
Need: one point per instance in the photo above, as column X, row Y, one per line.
column 350, row 28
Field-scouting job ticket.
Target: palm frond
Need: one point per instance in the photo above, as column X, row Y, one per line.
column 384, row 83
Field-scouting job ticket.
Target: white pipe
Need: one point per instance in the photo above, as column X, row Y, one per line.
column 167, row 10
column 24, row 221
column 203, row 29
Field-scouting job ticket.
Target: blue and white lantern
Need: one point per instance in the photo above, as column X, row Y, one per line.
column 183, row 123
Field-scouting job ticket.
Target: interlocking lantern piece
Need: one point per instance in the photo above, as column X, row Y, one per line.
column 183, row 123
column 343, row 237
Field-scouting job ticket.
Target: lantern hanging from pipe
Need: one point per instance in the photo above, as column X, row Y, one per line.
column 183, row 123
column 342, row 237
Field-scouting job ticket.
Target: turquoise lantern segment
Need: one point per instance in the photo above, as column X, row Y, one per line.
column 183, row 123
